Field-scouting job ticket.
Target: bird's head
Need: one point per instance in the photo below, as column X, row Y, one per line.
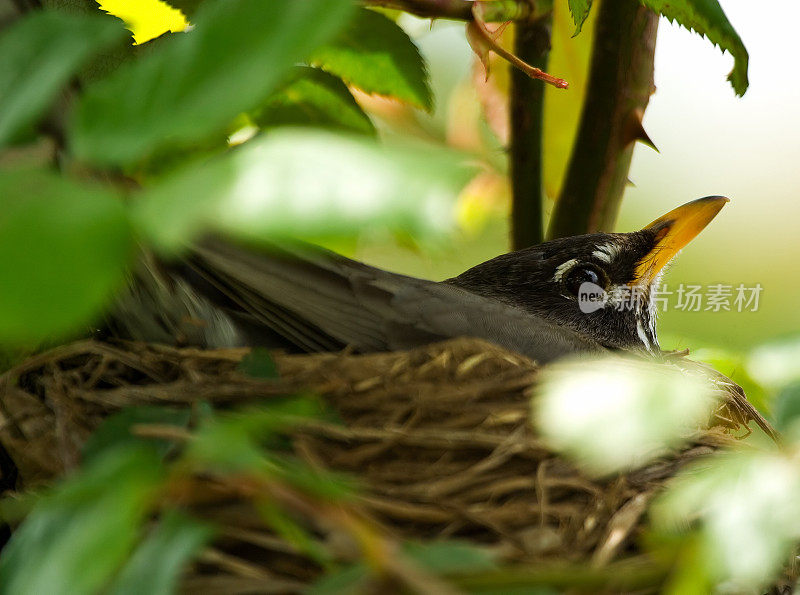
column 602, row 284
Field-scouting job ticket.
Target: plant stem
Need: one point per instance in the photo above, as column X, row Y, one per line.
column 532, row 44
column 619, row 89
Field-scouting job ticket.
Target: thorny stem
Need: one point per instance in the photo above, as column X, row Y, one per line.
column 526, row 110
column 619, row 89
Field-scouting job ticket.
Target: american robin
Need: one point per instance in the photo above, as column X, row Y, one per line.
column 585, row 293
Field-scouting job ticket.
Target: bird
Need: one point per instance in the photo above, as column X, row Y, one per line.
column 584, row 294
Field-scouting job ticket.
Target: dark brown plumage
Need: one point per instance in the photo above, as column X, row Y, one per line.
column 305, row 298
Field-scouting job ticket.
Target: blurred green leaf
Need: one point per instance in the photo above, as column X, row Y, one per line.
column 332, row 487
column 63, row 250
column 292, row 532
column 690, row 575
column 38, row 55
column 705, row 17
column 579, row 10
column 79, row 535
column 247, row 441
column 738, row 498
column 232, row 441
column 314, row 98
column 187, row 7
column 774, row 364
column 158, row 562
column 446, row 557
column 259, row 364
column 787, row 411
column 377, row 56
column 116, row 430
column 301, row 182
column 196, row 83
column 351, row 579
column 614, row 413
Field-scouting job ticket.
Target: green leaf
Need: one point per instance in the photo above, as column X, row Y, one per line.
column 38, row 55
column 115, row 431
column 64, row 248
column 351, row 579
column 611, row 414
column 196, row 83
column 580, row 10
column 157, row 563
column 377, row 56
column 446, row 557
column 187, row 7
column 77, row 537
column 233, row 441
column 292, row 532
column 787, row 411
column 294, row 182
column 259, row 364
column 705, row 17
column 314, row 98
column 745, row 496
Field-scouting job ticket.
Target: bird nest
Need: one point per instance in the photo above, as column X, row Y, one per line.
column 438, row 438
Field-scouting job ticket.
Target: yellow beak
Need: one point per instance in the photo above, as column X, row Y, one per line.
column 676, row 229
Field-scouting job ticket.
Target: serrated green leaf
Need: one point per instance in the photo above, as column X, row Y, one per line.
column 196, row 83
column 377, row 56
column 706, row 17
column 187, row 7
column 77, row 536
column 115, row 431
column 295, row 182
column 314, row 98
column 64, row 248
column 579, row 10
column 38, row 55
column 156, row 564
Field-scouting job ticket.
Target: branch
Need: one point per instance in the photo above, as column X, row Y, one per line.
column 498, row 11
column 620, row 85
column 532, row 44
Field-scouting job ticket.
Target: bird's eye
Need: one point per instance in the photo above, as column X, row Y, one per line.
column 585, row 273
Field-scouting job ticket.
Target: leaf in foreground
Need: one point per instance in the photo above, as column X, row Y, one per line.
column 63, row 250
column 292, row 183
column 314, row 98
column 78, row 536
column 707, row 18
column 198, row 82
column 613, row 414
column 117, row 430
column 377, row 56
column 38, row 55
column 157, row 563
column 580, row 10
column 749, row 512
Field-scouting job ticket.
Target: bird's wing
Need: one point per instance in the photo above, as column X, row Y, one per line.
column 317, row 299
